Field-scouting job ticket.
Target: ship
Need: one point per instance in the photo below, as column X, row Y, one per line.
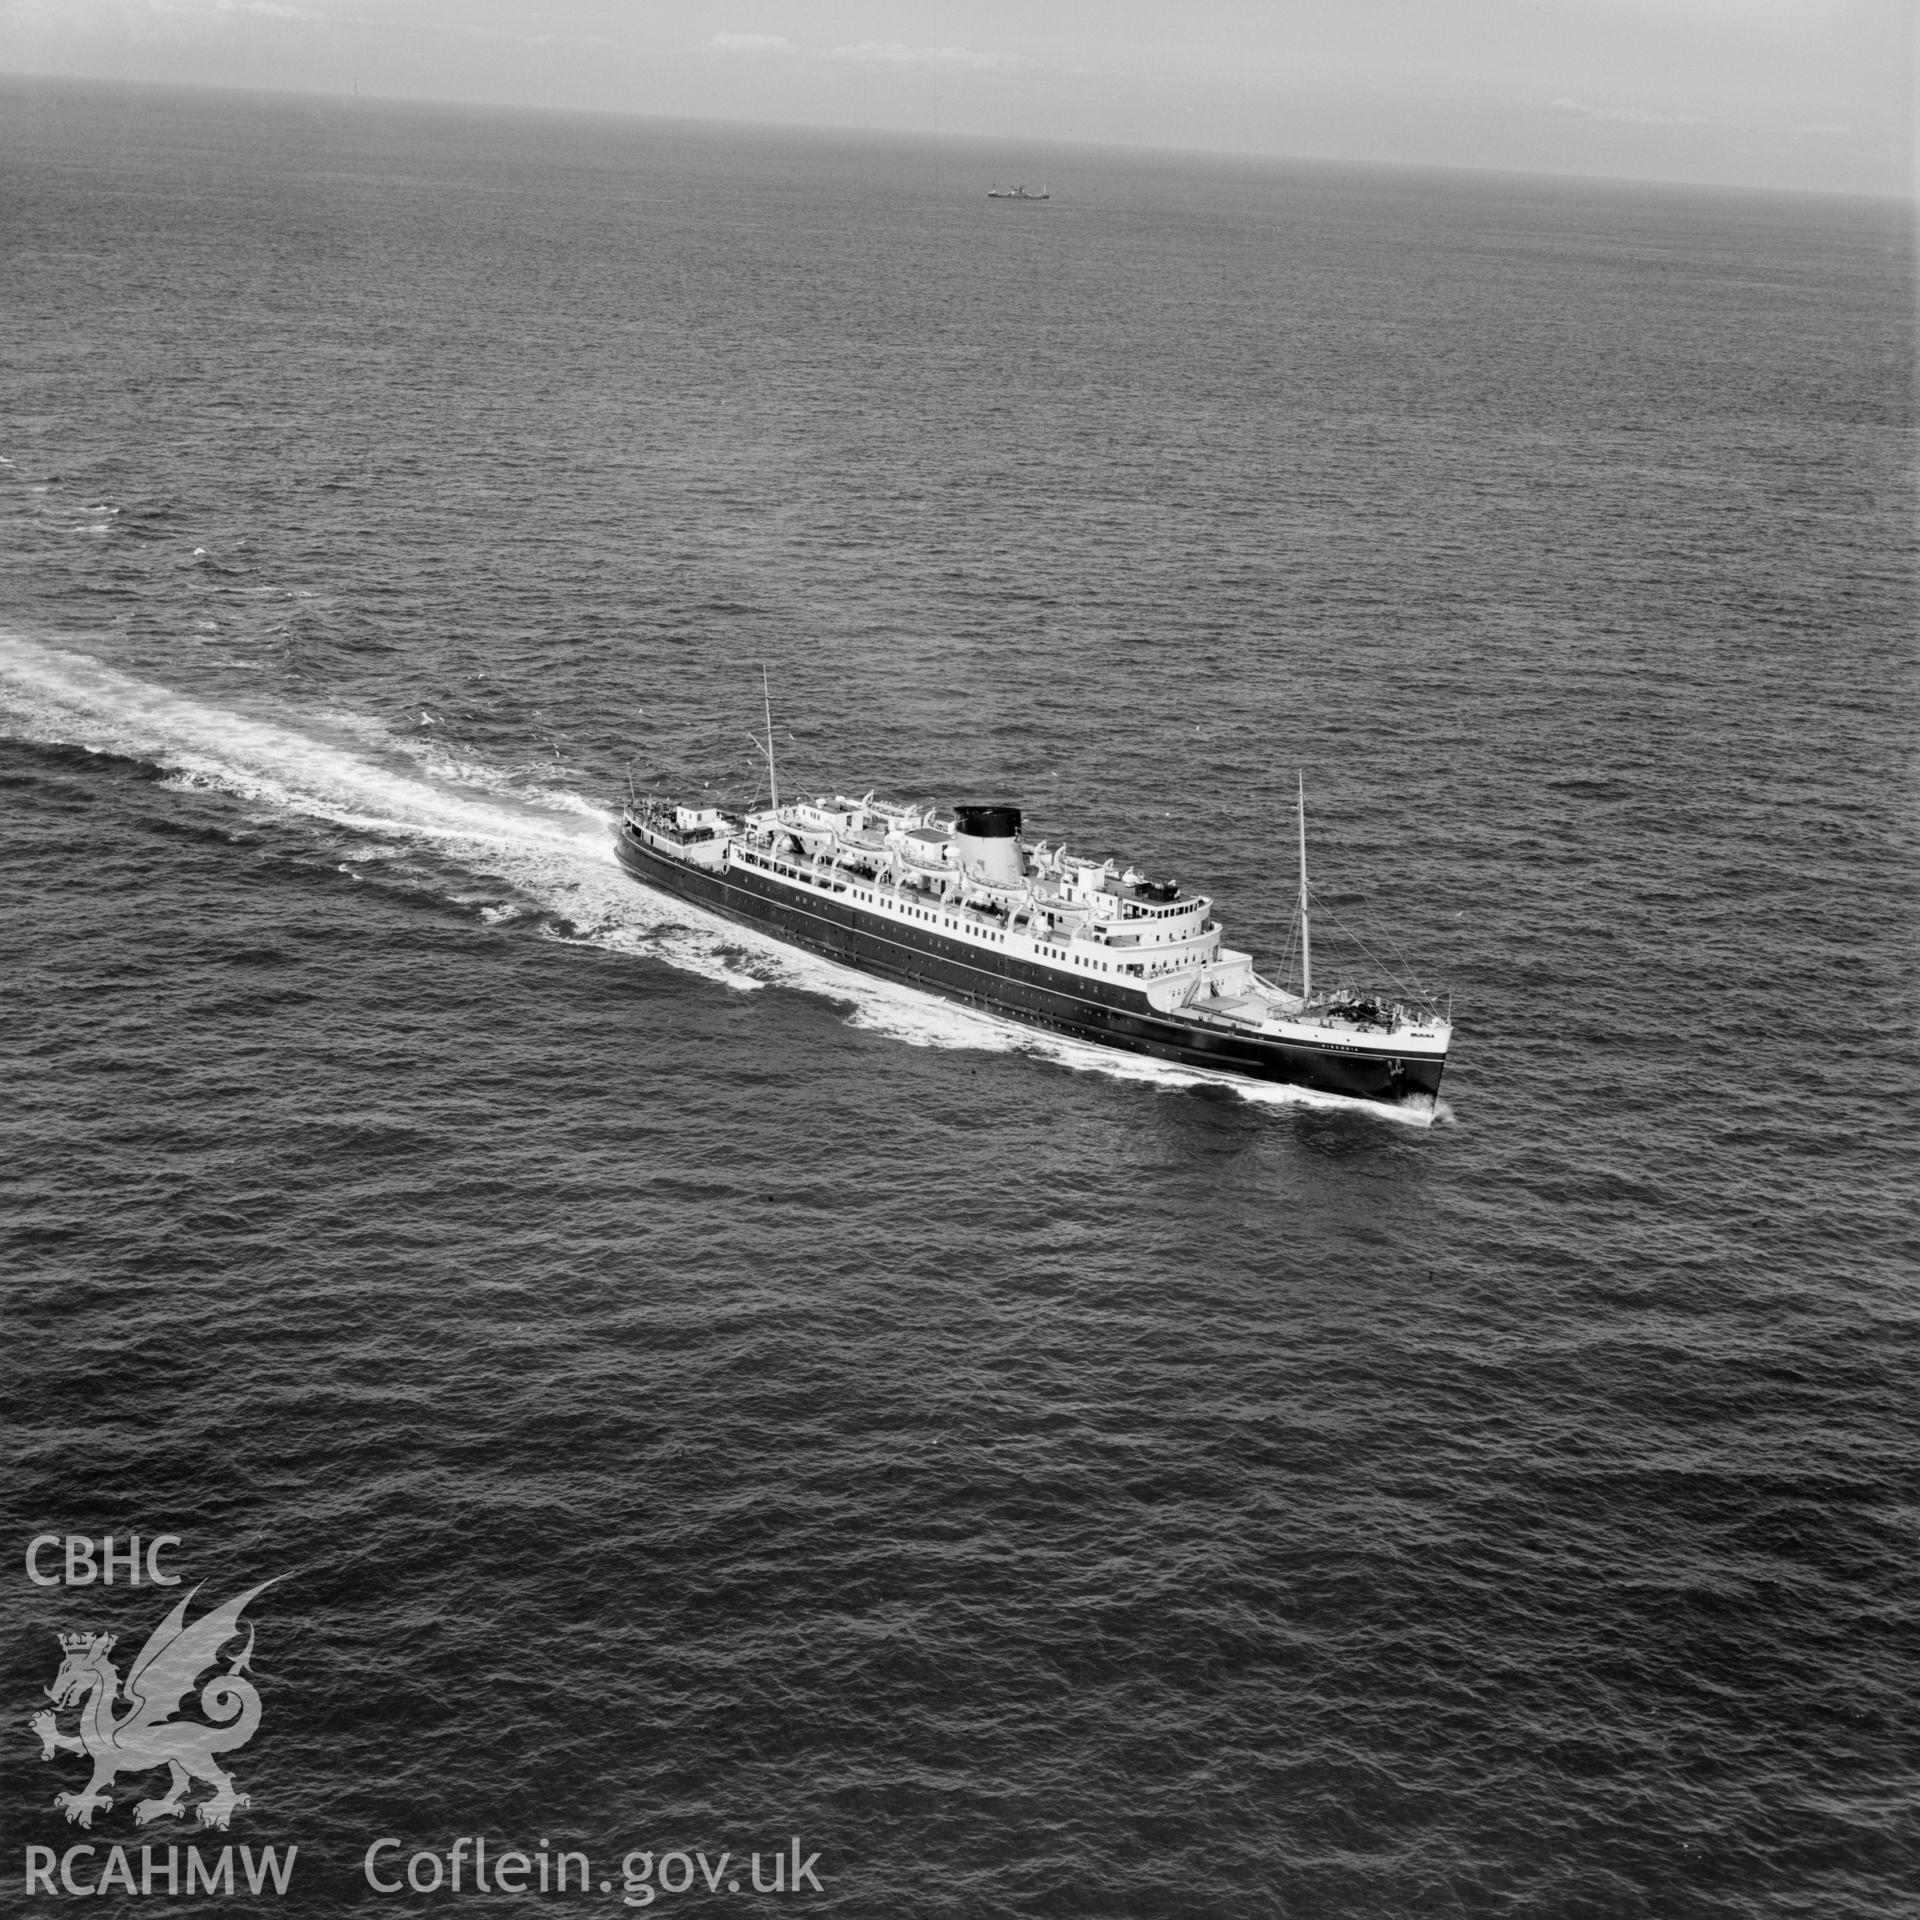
column 1017, row 193
column 961, row 903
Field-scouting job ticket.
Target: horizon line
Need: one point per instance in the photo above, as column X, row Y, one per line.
column 1910, row 198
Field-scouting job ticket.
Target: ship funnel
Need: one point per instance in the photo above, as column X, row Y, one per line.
column 987, row 842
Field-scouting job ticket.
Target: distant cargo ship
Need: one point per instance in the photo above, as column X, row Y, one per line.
column 1017, row 193
column 958, row 904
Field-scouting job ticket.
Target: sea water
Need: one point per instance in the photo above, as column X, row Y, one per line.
column 694, row 1397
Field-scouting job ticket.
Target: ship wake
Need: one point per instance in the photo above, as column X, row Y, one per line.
column 379, row 799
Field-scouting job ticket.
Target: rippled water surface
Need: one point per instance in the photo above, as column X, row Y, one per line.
column 696, row 1397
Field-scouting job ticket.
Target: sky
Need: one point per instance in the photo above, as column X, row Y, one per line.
column 1801, row 94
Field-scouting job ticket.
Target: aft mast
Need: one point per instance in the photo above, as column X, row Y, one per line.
column 1306, row 937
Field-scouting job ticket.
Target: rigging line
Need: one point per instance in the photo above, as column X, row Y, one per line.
column 1284, row 972
column 1371, row 957
column 1408, row 986
column 759, row 756
column 1292, row 945
column 1400, row 970
column 801, row 788
column 1399, row 955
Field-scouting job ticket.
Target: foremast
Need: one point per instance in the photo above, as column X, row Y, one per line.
column 773, row 779
column 1306, row 931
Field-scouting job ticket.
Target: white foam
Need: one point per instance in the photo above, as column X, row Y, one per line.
column 562, row 855
column 552, row 846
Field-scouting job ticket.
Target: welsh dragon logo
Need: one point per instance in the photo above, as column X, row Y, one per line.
column 146, row 1735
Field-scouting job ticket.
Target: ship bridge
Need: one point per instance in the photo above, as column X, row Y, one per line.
column 1141, row 928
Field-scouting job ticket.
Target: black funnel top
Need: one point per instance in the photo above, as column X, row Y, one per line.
column 988, row 823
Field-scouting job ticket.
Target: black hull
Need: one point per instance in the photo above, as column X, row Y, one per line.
column 1105, row 1015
